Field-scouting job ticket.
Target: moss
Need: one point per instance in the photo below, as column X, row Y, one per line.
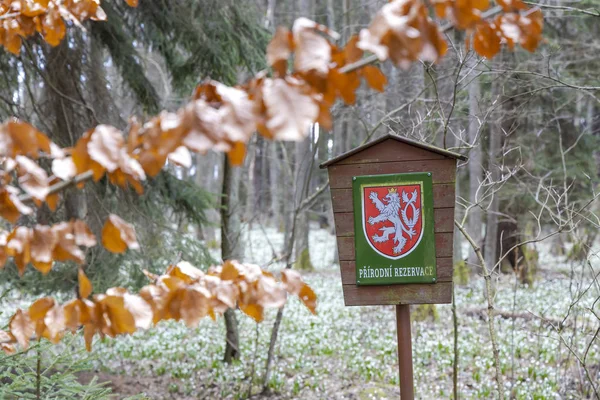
column 423, row 312
column 461, row 273
column 213, row 244
column 578, row 251
column 531, row 261
column 303, row 262
column 380, row 391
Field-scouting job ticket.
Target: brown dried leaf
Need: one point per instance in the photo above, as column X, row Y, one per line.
column 289, row 109
column 8, row 348
column 237, row 154
column 140, row 310
column 32, row 178
column 230, row 270
column 39, row 308
column 525, row 29
column 185, row 271
column 253, row 310
column 82, row 234
column 118, row 235
column 5, row 337
column 64, row 168
column 116, row 318
column 269, row 293
column 464, row 14
column 85, row 286
column 18, row 246
column 55, row 323
column 53, row 27
column 21, row 327
column 43, row 241
column 375, row 78
column 351, row 51
column 403, row 32
column 194, row 305
column 486, row 41
column 181, row 156
column 294, row 284
column 66, row 247
column 279, row 51
column 11, row 208
column 313, row 50
column 21, row 138
column 89, row 330
column 105, row 146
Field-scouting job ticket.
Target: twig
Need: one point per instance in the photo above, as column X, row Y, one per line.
column 490, row 308
column 57, row 187
column 373, row 59
column 565, row 8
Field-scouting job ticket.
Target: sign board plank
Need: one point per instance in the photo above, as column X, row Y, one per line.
column 443, row 171
column 443, row 218
column 418, row 293
column 444, row 270
column 443, row 197
column 389, row 151
column 443, row 246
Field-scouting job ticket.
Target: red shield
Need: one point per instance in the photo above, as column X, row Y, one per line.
column 392, row 218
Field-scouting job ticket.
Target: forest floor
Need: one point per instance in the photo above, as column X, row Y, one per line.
column 350, row 352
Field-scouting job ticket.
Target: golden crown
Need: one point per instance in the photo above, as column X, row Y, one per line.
column 392, row 190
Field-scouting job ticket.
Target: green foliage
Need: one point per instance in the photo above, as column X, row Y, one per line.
column 57, row 377
column 120, row 45
column 303, row 263
column 531, row 259
column 200, row 39
column 424, row 312
column 461, row 273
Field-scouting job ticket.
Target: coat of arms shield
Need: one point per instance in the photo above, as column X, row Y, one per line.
column 394, row 239
column 393, row 220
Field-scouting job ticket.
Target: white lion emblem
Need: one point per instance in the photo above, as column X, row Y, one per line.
column 391, row 212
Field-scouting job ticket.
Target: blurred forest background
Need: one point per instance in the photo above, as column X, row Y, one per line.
column 529, row 123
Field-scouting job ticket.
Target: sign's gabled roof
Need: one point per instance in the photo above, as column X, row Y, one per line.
column 416, row 143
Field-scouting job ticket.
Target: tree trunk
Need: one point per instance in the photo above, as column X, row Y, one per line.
column 230, row 248
column 70, row 118
column 475, row 168
column 491, row 230
column 275, row 189
column 303, row 163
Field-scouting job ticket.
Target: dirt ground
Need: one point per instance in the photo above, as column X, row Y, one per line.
column 161, row 387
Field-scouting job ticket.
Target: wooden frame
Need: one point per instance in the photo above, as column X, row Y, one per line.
column 393, row 154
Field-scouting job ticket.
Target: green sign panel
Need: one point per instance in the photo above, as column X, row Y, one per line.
column 394, row 229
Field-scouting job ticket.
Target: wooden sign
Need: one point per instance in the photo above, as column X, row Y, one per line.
column 382, row 158
column 393, row 223
column 393, row 205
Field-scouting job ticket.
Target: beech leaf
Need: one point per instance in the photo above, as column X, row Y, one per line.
column 118, row 235
column 290, row 110
column 85, row 286
column 375, row 78
column 21, row 327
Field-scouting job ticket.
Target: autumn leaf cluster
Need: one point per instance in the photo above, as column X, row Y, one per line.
column 308, row 74
column 182, row 293
column 21, row 19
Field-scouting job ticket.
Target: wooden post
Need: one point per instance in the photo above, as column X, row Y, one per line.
column 405, row 364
